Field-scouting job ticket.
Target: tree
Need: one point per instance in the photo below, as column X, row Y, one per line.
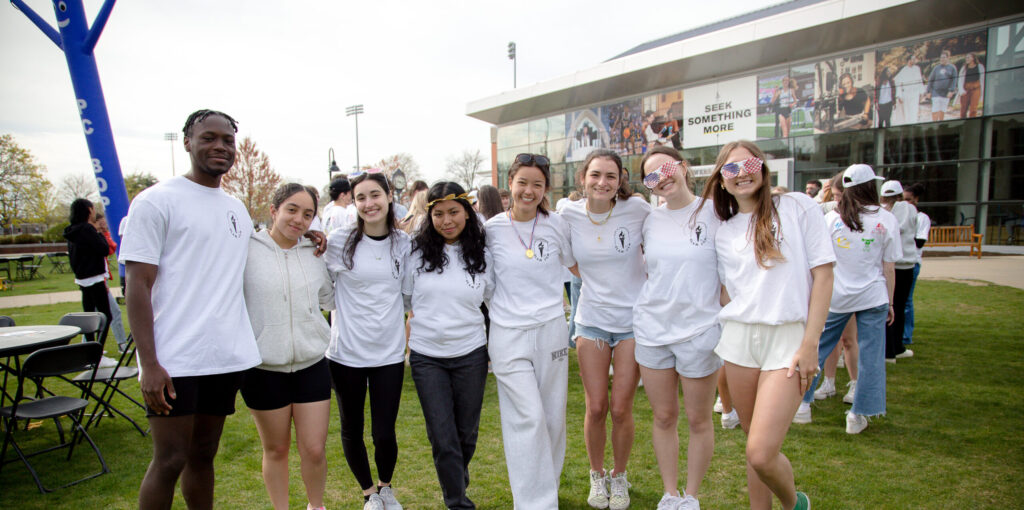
column 464, row 167
column 25, row 193
column 402, row 160
column 137, row 181
column 252, row 180
column 74, row 186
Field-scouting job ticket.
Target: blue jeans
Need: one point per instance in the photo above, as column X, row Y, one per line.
column 869, row 398
column 574, row 298
column 908, row 314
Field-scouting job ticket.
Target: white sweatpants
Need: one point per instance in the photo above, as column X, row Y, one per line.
column 532, row 370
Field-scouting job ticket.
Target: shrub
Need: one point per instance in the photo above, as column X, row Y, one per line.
column 55, row 234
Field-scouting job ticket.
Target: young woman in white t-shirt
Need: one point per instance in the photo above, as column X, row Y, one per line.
column 606, row 233
column 367, row 350
column 676, row 323
column 775, row 263
column 529, row 340
column 293, row 382
column 866, row 241
column 449, row 276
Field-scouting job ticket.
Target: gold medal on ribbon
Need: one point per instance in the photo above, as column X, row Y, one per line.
column 529, row 254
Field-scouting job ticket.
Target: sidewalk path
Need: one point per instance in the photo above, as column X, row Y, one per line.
column 70, row 296
column 1005, row 270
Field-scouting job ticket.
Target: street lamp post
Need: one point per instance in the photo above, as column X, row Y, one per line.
column 512, row 57
column 171, row 137
column 332, row 166
column 350, row 111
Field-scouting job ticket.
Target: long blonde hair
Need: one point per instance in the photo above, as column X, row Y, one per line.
column 417, row 211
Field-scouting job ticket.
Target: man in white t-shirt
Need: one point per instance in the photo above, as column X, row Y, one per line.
column 184, row 249
column 912, row 194
column 336, row 212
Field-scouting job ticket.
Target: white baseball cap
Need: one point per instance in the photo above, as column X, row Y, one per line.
column 892, row 189
column 859, row 174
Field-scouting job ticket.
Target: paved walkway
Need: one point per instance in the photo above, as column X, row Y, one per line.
column 1002, row 270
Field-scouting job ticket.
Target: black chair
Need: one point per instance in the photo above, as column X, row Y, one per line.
column 91, row 323
column 111, row 379
column 58, row 261
column 44, row 363
column 6, row 322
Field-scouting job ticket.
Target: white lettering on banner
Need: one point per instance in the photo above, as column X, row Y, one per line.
column 720, row 112
column 97, row 167
column 87, row 126
column 101, row 184
column 82, row 106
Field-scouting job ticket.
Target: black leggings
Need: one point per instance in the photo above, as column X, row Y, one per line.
column 385, row 385
column 94, row 299
column 894, row 332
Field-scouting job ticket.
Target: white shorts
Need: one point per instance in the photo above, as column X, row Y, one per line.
column 693, row 358
column 940, row 103
column 764, row 346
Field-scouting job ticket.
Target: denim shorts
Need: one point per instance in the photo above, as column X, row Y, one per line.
column 602, row 336
column 693, row 358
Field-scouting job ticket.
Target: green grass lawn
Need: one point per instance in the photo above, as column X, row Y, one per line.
column 47, row 280
column 953, row 436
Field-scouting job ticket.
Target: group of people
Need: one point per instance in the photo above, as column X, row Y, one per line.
column 903, row 90
column 737, row 282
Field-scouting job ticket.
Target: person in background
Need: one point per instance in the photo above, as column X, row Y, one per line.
column 912, row 194
column 812, row 188
column 504, row 199
column 885, row 96
column 416, row 188
column 489, row 201
column 339, row 212
column 87, row 254
column 970, row 85
column 942, row 85
column 116, row 323
column 906, row 215
column 909, row 89
column 417, row 214
column 784, row 99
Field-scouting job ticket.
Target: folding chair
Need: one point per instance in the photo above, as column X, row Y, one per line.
column 44, row 363
column 111, row 379
column 91, row 323
column 6, row 322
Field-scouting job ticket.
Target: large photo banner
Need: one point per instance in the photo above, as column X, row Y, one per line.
column 663, row 119
column 585, row 132
column 843, row 93
column 785, row 102
column 622, row 121
column 719, row 113
column 932, row 80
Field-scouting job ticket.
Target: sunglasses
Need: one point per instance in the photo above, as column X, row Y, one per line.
column 747, row 166
column 360, row 173
column 527, row 159
column 664, row 172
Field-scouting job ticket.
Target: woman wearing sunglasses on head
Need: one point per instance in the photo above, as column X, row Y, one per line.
column 367, row 350
column 605, row 230
column 676, row 324
column 775, row 263
column 448, row 278
column 529, row 341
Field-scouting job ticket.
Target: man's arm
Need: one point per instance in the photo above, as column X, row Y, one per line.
column 154, row 379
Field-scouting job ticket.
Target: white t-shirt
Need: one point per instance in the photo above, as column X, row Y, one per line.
column 199, row 238
column 924, row 224
column 369, row 322
column 906, row 215
column 528, row 291
column 339, row 217
column 610, row 262
column 782, row 293
column 447, row 321
column 858, row 281
column 681, row 297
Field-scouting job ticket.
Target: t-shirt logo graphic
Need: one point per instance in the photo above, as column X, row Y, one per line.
column 472, row 281
column 843, row 243
column 867, row 243
column 396, row 268
column 776, row 231
column 879, row 231
column 233, row 227
column 699, row 236
column 838, row 225
column 542, row 252
column 620, row 239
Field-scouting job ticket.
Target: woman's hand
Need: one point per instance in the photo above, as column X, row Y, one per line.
column 805, row 361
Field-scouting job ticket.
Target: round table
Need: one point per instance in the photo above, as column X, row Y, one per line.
column 18, row 340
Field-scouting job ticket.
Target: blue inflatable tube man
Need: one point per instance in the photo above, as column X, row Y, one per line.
column 77, row 41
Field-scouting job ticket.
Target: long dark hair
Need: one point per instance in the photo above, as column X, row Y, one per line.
column 766, row 246
column 489, row 201
column 855, row 201
column 624, row 191
column 357, row 233
column 79, row 211
column 431, row 244
column 542, row 207
column 290, row 188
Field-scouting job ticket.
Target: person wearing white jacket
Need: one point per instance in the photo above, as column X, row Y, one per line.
column 285, row 288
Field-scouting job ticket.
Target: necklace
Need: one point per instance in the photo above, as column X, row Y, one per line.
column 377, row 255
column 599, row 223
column 529, row 248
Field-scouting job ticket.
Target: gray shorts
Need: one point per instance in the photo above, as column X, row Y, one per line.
column 694, row 358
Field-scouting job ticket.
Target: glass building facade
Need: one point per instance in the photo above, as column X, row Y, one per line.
column 946, row 111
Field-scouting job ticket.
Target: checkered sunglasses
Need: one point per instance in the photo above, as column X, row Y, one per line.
column 747, row 166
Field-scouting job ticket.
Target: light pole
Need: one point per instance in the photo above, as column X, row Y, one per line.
column 512, row 57
column 398, row 181
column 350, row 111
column 171, row 137
column 332, row 166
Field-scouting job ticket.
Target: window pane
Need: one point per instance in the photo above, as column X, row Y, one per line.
column 950, row 215
column 1006, row 46
column 514, row 135
column 941, row 182
column 936, row 141
column 834, row 151
column 1008, row 136
column 1005, row 224
column 1006, row 180
column 1003, row 91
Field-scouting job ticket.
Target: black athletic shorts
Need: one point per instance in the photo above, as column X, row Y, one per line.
column 265, row 390
column 213, row 395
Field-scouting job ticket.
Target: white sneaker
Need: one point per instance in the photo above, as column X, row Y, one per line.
column 374, row 503
column 890, row 360
column 848, row 398
column 619, row 499
column 689, row 503
column 106, row 362
column 803, row 414
column 669, row 502
column 730, row 420
column 905, row 354
column 841, row 363
column 855, row 423
column 827, row 388
column 598, row 497
column 718, row 405
column 387, row 494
